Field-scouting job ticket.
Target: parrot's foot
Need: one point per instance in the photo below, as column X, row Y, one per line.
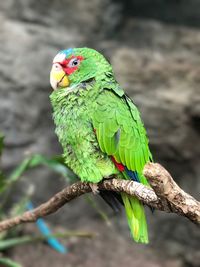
column 94, row 187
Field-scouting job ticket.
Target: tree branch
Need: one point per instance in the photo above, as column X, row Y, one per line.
column 164, row 195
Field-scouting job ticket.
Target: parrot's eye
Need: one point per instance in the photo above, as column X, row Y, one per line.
column 74, row 62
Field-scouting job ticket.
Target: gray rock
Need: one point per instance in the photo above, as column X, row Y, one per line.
column 170, row 11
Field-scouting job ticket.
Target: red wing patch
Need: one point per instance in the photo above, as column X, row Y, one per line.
column 119, row 166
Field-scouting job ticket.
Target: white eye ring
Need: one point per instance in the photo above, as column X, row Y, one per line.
column 74, row 62
column 57, row 67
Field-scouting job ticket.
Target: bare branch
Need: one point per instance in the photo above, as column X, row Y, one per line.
column 171, row 194
column 164, row 195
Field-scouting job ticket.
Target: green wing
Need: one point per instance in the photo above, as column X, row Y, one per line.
column 121, row 134
column 120, row 131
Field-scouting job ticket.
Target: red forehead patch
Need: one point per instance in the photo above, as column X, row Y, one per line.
column 68, row 65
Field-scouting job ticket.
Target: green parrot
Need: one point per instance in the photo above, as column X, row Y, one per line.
column 99, row 127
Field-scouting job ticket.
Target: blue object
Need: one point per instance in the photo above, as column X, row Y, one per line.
column 132, row 174
column 67, row 52
column 45, row 231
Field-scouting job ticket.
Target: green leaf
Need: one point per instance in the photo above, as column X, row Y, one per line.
column 37, row 160
column 53, row 163
column 1, row 143
column 8, row 262
column 2, row 182
column 12, row 242
column 16, row 174
column 21, row 206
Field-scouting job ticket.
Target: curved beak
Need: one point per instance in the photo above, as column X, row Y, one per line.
column 58, row 79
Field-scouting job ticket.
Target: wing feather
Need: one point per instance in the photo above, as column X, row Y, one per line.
column 120, row 131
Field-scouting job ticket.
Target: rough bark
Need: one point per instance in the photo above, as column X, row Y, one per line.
column 164, row 195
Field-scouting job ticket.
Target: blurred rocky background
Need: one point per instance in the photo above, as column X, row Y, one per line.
column 154, row 46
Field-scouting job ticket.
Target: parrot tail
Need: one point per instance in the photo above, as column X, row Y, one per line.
column 136, row 218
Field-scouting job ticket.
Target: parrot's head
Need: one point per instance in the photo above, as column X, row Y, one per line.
column 76, row 65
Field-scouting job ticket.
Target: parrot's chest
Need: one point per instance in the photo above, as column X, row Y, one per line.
column 74, row 126
column 72, row 115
